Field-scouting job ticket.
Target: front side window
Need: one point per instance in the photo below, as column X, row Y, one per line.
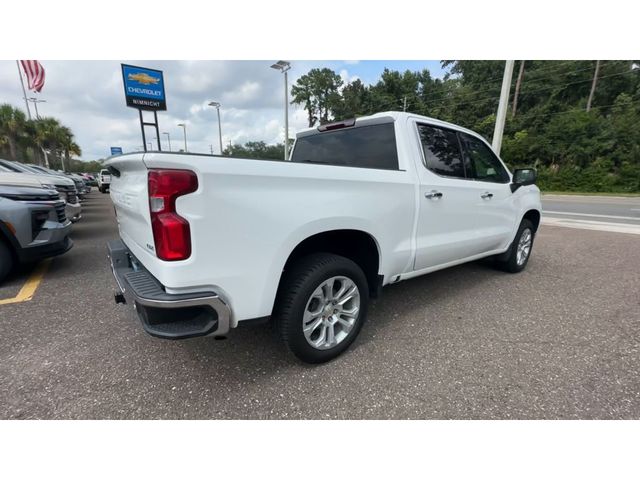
column 441, row 151
column 482, row 162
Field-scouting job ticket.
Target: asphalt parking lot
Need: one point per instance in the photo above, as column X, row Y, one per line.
column 558, row 341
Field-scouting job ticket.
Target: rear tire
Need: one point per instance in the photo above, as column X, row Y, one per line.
column 321, row 306
column 516, row 258
column 6, row 260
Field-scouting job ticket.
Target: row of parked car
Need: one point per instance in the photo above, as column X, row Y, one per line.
column 37, row 207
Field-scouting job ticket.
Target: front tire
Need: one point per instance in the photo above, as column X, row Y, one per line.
column 321, row 306
column 6, row 260
column 518, row 255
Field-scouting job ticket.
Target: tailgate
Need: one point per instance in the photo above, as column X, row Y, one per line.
column 129, row 194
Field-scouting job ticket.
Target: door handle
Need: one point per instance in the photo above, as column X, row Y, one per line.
column 486, row 195
column 433, row 194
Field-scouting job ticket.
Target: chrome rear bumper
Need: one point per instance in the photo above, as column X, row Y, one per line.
column 165, row 315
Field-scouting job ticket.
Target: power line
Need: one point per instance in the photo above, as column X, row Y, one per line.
column 531, row 72
column 528, row 82
column 529, row 92
column 574, row 110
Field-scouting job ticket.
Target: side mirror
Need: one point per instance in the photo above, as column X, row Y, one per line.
column 522, row 177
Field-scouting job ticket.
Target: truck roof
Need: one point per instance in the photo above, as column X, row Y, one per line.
column 383, row 117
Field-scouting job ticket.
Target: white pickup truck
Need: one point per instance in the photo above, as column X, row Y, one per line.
column 207, row 242
column 104, row 180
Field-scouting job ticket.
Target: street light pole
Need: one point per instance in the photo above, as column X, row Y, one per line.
column 218, row 105
column 35, row 102
column 284, row 67
column 502, row 106
column 168, row 139
column 184, row 131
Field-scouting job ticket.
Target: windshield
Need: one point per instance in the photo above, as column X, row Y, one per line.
column 10, row 166
column 27, row 168
column 39, row 169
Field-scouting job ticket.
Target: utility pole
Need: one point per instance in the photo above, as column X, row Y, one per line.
column 517, row 92
column 502, row 106
column 211, row 148
column 593, row 85
column 404, row 108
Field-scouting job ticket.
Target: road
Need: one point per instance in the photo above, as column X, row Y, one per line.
column 559, row 341
column 616, row 214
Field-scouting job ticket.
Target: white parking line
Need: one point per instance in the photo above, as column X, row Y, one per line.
column 590, row 215
column 592, row 225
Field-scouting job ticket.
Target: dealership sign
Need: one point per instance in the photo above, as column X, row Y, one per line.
column 116, row 151
column 143, row 88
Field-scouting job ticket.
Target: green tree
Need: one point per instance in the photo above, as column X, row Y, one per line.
column 13, row 125
column 354, row 101
column 259, row 150
column 318, row 91
column 67, row 145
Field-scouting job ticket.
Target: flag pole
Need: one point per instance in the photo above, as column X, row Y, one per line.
column 24, row 92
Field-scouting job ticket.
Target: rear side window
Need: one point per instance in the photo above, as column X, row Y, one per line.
column 482, row 162
column 441, row 151
column 372, row 146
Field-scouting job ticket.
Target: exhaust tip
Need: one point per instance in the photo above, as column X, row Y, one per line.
column 119, row 298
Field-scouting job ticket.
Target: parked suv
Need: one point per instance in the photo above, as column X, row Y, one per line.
column 77, row 180
column 33, row 225
column 65, row 186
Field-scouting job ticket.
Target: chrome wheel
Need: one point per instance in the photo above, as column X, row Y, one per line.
column 331, row 312
column 524, row 246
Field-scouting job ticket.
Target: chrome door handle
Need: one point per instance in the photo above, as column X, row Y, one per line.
column 433, row 194
column 486, row 195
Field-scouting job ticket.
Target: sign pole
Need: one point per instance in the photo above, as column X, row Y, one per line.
column 144, row 138
column 144, row 90
column 155, row 117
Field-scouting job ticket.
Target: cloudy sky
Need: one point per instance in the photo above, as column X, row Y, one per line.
column 88, row 97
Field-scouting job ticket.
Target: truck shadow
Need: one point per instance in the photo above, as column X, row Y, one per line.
column 258, row 348
column 410, row 301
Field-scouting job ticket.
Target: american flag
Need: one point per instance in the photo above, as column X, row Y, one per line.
column 35, row 74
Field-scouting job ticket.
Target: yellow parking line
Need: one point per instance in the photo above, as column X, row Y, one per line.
column 29, row 288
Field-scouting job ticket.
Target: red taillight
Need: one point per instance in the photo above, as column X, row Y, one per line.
column 171, row 233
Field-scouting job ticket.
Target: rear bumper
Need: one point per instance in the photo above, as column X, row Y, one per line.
column 162, row 314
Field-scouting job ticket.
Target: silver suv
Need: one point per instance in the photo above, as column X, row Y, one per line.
column 33, row 225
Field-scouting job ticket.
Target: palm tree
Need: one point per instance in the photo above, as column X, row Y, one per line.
column 12, row 128
column 48, row 135
column 68, row 145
